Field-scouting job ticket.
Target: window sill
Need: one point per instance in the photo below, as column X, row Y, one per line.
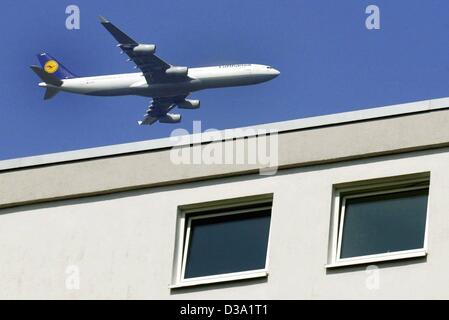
column 378, row 258
column 220, row 279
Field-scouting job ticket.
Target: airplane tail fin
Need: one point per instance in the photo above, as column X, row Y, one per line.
column 52, row 66
column 52, row 83
column 48, row 78
column 52, row 74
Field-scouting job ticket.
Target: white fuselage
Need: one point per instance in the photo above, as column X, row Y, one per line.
column 198, row 79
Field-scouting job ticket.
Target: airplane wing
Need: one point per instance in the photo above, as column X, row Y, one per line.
column 159, row 110
column 151, row 65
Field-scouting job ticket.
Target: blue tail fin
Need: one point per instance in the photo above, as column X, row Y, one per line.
column 54, row 67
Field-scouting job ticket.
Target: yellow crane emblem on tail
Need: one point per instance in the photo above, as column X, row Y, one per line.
column 51, row 66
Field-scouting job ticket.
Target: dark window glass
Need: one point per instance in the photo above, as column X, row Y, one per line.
column 384, row 223
column 225, row 244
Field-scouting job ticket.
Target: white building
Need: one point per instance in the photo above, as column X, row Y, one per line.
column 358, row 208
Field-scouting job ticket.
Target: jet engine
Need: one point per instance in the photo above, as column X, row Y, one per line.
column 177, row 71
column 144, row 49
column 189, row 104
column 170, row 118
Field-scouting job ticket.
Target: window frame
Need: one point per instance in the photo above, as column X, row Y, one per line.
column 360, row 192
column 184, row 231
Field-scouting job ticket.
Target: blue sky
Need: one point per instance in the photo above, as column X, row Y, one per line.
column 329, row 62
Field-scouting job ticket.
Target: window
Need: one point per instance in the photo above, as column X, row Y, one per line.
column 384, row 222
column 223, row 243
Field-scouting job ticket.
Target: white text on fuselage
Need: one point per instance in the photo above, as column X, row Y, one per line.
column 234, row 65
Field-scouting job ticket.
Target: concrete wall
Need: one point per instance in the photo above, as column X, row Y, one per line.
column 297, row 148
column 123, row 242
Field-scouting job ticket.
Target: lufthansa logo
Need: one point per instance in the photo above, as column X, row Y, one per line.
column 51, row 66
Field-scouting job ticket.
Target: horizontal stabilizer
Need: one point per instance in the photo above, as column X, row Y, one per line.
column 50, row 93
column 46, row 77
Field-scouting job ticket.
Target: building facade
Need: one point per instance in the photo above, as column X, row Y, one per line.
column 354, row 206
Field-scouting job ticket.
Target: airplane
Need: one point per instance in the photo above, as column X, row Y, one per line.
column 167, row 85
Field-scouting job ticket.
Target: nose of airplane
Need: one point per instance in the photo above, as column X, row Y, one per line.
column 273, row 72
